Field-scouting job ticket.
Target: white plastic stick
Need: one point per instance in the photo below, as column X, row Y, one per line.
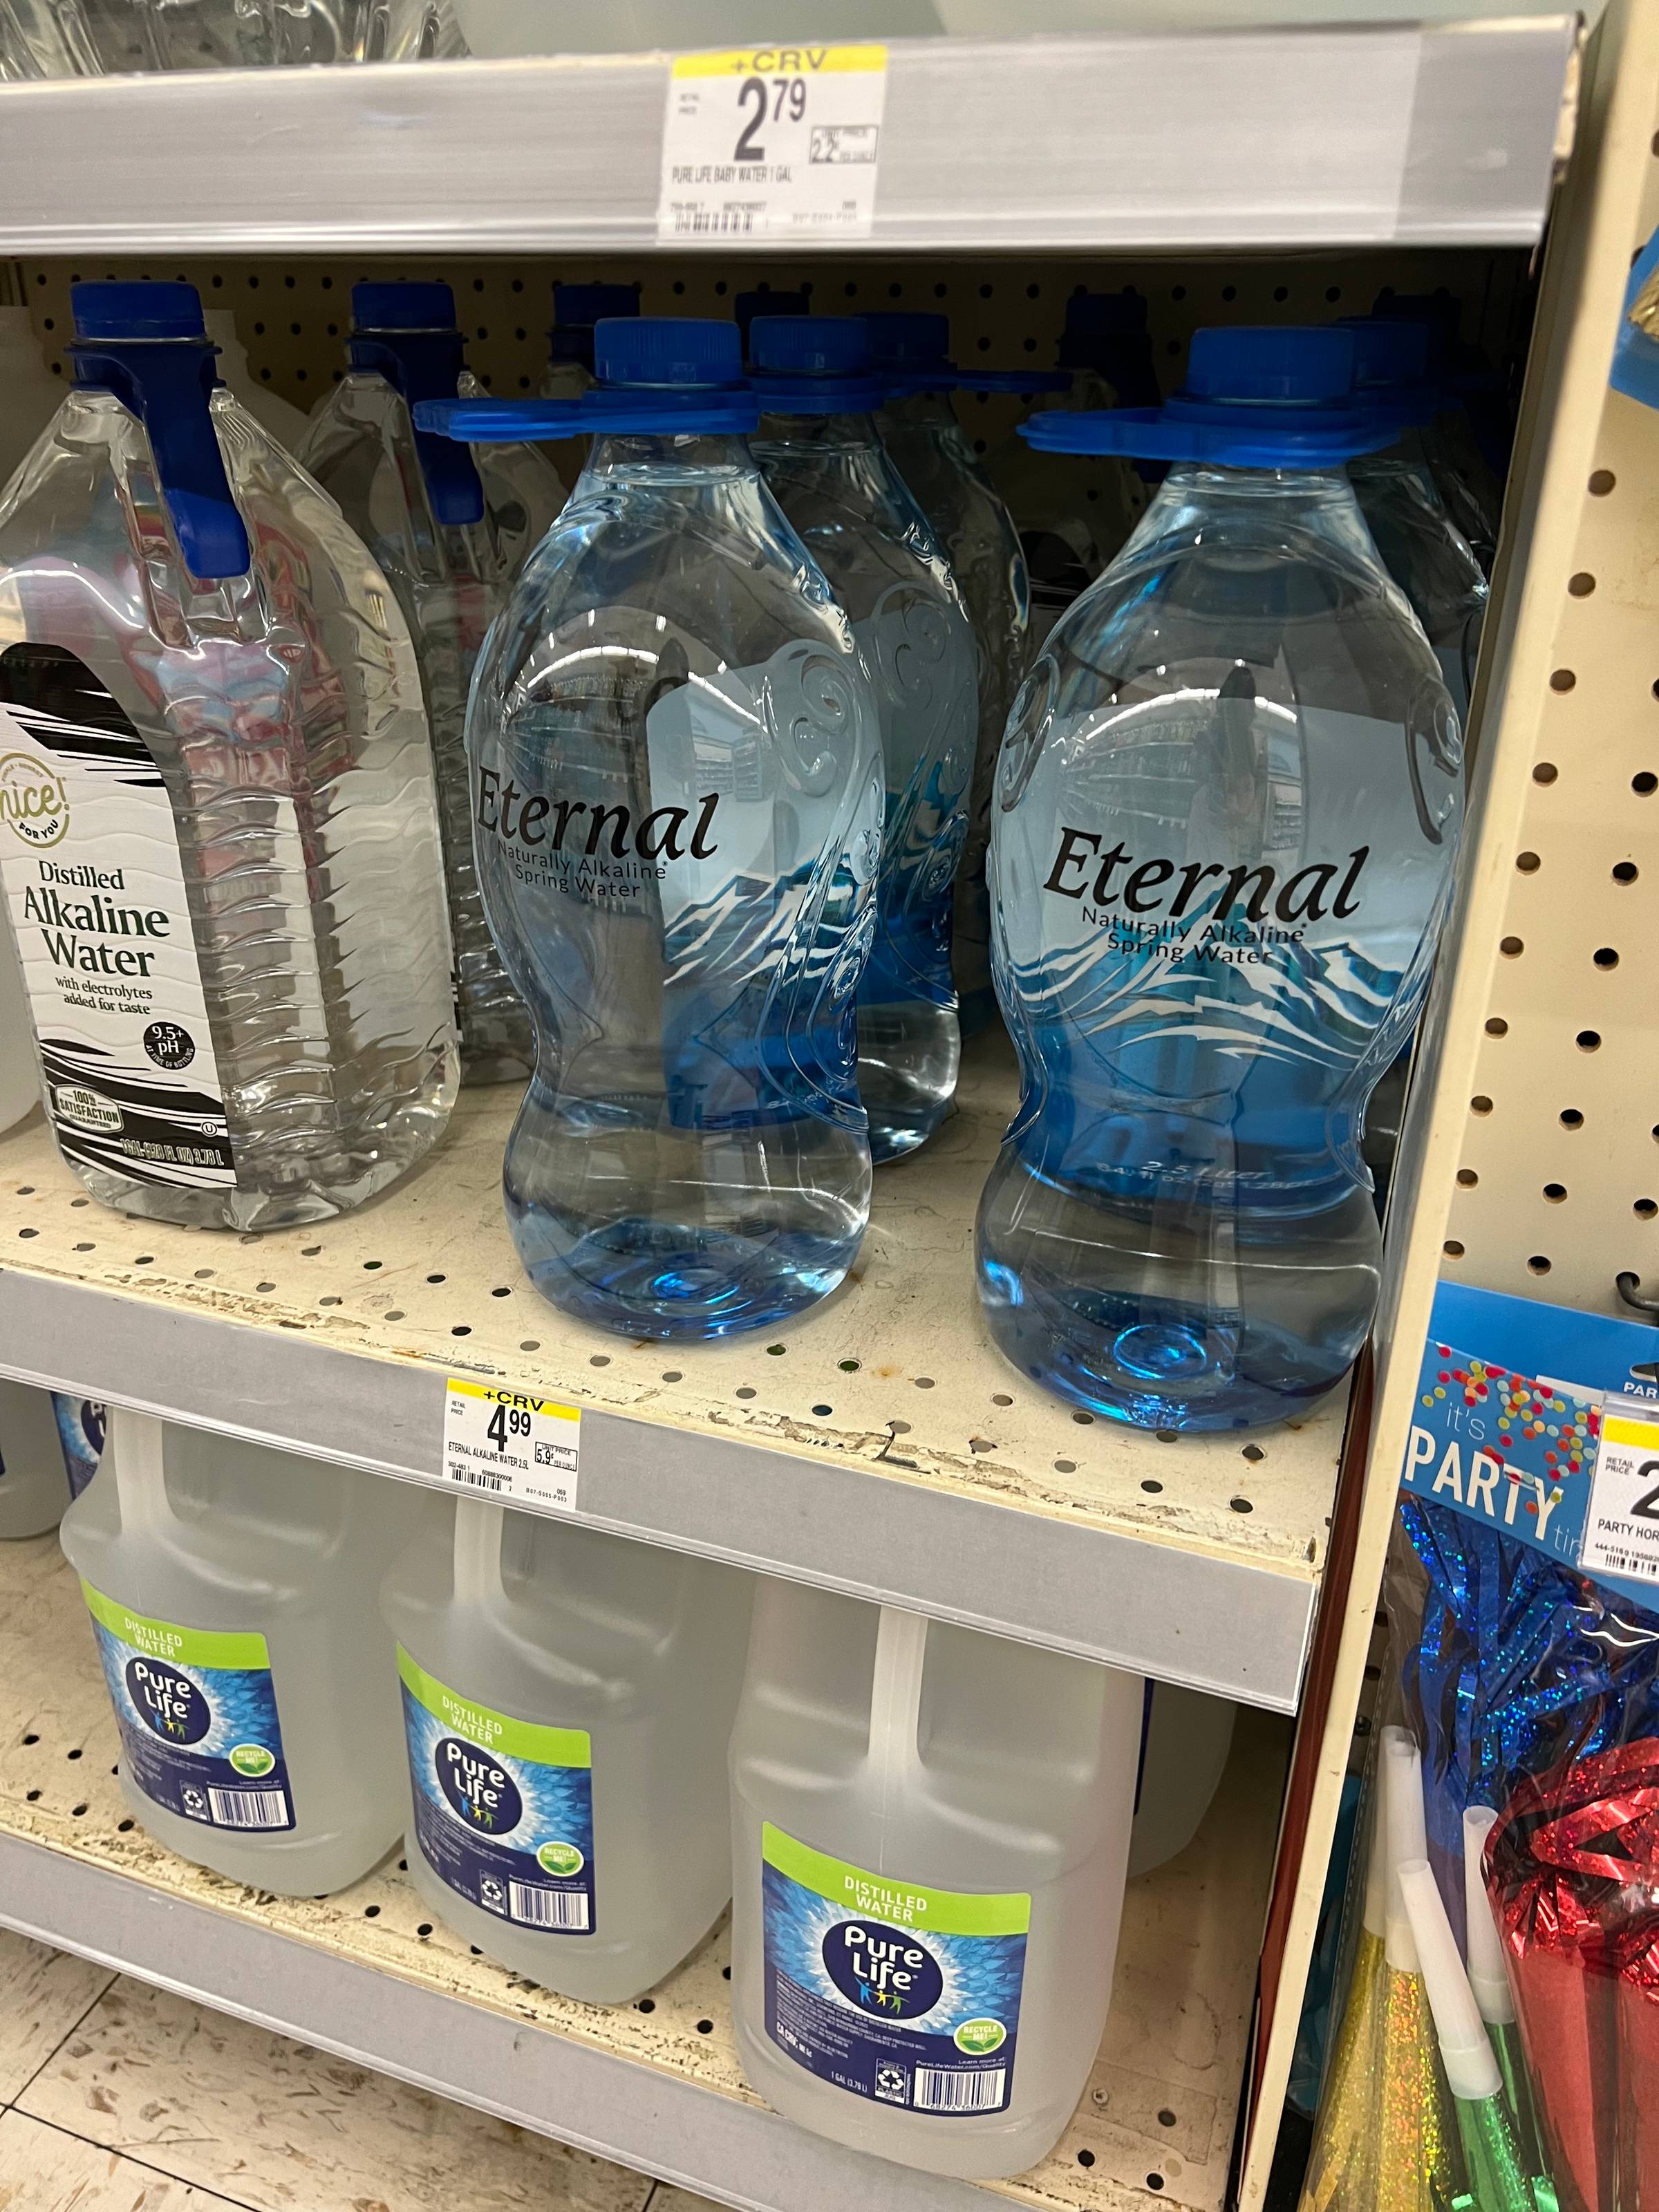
column 896, row 1697
column 1407, row 1839
column 1471, row 2067
column 138, row 1444
column 1376, row 1908
column 1485, row 1949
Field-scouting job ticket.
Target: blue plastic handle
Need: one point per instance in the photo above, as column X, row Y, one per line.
column 166, row 383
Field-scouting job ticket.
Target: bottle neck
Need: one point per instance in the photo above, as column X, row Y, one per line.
column 671, row 457
column 821, row 434
column 931, row 408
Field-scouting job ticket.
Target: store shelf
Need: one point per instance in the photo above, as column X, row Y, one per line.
column 881, row 1445
column 1351, row 135
column 656, row 2086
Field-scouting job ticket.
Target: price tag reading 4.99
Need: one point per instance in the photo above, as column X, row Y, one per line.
column 772, row 141
column 512, row 1444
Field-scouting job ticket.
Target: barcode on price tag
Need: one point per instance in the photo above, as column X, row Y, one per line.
column 772, row 141
column 1621, row 1522
column 512, row 1444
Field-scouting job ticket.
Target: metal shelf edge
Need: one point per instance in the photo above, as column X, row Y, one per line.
column 1233, row 1626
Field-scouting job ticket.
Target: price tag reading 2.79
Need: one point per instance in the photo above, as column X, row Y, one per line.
column 516, row 1446
column 772, row 141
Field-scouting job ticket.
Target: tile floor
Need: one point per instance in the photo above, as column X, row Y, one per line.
column 115, row 2097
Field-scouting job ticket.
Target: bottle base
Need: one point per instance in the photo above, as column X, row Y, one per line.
column 910, row 1053
column 287, row 1865
column 669, row 1281
column 285, row 1204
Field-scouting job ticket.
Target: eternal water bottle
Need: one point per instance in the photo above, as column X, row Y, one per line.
column 231, row 1593
column 920, row 430
column 1073, row 511
column 1226, row 816
column 451, row 529
column 218, row 836
column 1461, row 383
column 833, row 479
column 678, row 802
column 1398, row 495
column 931, row 1828
column 568, row 1697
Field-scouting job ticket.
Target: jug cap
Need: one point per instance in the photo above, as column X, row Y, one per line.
column 1273, row 397
column 912, row 351
column 1391, row 365
column 425, row 307
column 658, row 375
column 576, row 308
column 1107, row 332
column 684, row 352
column 748, row 305
column 147, row 343
column 813, row 365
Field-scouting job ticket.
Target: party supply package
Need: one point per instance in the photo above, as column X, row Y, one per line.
column 1512, row 1872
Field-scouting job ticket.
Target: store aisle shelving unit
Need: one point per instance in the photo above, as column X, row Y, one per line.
column 655, row 2085
column 880, row 1446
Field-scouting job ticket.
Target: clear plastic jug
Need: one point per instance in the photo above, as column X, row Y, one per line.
column 931, row 1829
column 451, row 528
column 34, row 1489
column 568, row 1697
column 231, row 1589
column 218, row 835
column 288, row 424
column 828, row 471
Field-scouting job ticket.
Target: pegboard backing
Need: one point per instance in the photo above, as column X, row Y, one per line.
column 292, row 316
column 1156, row 2122
column 1558, row 1184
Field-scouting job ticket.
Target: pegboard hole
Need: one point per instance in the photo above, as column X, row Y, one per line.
column 898, row 1428
column 1000, row 1398
column 645, row 2004
column 1588, row 1041
column 1582, row 585
column 599, row 1359
column 1546, row 772
column 1241, row 1505
column 435, row 1278
column 672, row 1375
column 1480, row 1104
column 1084, row 1420
column 848, row 1366
column 1253, row 1452
column 1572, row 1118
column 1452, row 1249
column 1166, row 2119
column 1555, row 1192
column 1626, row 872
column 1511, row 947
column 1498, row 1026
column 1645, row 784
column 822, row 1410
column 1155, row 2181
column 1601, row 483
column 1605, row 956
column 1645, row 1208
column 1468, row 1178
column 1065, row 1466
column 1085, row 2158
column 746, row 1392
column 1150, row 1488
column 776, row 1351
column 924, row 1382
column 1528, row 863
column 531, row 1344
column 1538, row 1265
column 1562, row 679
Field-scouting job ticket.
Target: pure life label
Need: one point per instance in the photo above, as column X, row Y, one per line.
column 772, row 141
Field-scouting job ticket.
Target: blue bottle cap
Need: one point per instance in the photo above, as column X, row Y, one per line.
column 402, row 308
column 147, row 344
column 688, row 352
column 1274, row 397
column 813, row 365
column 141, row 310
column 912, row 352
column 1635, row 354
column 748, row 305
column 658, row 374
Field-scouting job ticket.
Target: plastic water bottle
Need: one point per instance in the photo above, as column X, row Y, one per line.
column 254, row 1685
column 35, row 1490
column 1226, row 816
column 93, row 38
column 1399, row 493
column 83, row 1431
column 678, row 800
column 931, row 1830
column 33, row 394
column 218, row 839
column 1186, row 1740
column 451, row 529
column 577, row 308
column 567, row 1702
column 920, row 430
column 285, row 423
column 1075, row 511
column 833, row 479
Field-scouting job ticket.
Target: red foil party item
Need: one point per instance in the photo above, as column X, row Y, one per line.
column 1572, row 1868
